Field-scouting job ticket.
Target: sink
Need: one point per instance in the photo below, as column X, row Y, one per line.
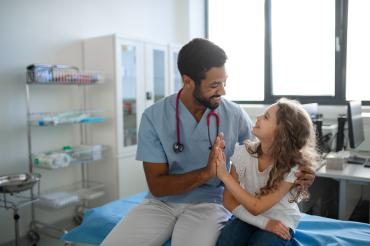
column 14, row 183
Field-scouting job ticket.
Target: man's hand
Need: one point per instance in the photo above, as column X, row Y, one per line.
column 305, row 177
column 278, row 228
column 212, row 163
column 211, row 168
column 215, row 155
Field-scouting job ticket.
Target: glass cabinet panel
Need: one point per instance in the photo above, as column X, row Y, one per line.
column 174, row 70
column 159, row 70
column 175, row 83
column 129, row 82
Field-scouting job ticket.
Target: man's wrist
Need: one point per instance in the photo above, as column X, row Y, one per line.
column 205, row 173
column 224, row 176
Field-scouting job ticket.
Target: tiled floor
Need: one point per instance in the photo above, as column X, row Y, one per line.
column 45, row 238
column 44, row 241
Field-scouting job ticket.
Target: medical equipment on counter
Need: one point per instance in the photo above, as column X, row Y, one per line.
column 178, row 146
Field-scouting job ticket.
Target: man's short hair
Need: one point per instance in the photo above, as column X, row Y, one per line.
column 197, row 57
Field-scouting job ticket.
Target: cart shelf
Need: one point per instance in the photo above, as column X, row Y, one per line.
column 72, row 194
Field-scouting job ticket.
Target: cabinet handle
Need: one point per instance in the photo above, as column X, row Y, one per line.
column 148, row 95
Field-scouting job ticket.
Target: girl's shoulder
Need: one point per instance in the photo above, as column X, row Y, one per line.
column 241, row 156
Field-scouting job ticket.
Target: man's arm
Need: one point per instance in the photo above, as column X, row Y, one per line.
column 161, row 183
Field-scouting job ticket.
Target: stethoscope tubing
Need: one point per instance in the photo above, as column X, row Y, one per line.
column 178, row 116
column 178, row 146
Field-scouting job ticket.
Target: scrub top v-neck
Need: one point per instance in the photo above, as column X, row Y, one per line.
column 157, row 135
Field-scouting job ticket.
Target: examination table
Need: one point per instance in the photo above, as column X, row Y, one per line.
column 312, row 230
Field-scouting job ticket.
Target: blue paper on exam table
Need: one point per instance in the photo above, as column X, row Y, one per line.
column 312, row 230
column 98, row 222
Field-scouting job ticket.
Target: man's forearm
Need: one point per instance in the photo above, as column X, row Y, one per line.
column 174, row 184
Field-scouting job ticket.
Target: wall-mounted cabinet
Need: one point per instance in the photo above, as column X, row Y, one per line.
column 138, row 74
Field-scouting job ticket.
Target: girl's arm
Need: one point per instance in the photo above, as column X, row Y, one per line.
column 255, row 205
column 260, row 221
column 238, row 210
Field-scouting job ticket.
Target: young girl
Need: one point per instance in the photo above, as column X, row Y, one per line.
column 259, row 190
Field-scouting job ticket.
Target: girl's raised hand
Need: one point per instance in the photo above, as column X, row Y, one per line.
column 221, row 160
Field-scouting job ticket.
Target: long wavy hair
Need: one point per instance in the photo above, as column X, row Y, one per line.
column 294, row 144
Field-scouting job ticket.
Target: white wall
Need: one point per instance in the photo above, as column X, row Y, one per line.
column 50, row 31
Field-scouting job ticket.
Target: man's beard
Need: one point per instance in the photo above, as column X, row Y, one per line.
column 204, row 101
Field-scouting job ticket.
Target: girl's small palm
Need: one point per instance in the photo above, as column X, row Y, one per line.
column 221, row 164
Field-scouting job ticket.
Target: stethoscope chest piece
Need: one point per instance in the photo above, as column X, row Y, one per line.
column 178, row 147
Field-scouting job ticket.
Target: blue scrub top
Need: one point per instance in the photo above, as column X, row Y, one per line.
column 157, row 135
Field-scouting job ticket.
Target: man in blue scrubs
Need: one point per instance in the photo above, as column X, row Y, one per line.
column 175, row 139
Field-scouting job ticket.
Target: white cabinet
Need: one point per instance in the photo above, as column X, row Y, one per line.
column 138, row 74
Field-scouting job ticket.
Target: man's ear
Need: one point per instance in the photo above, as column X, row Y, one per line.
column 188, row 82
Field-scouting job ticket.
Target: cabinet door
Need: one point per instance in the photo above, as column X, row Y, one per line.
column 156, row 67
column 175, row 81
column 131, row 177
column 130, row 93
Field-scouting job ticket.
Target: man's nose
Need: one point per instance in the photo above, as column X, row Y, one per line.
column 221, row 90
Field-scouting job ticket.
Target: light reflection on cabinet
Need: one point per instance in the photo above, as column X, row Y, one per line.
column 156, row 72
column 175, row 77
column 159, row 74
column 129, row 94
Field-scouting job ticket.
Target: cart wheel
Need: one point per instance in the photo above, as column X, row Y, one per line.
column 33, row 236
column 80, row 210
column 78, row 219
column 69, row 244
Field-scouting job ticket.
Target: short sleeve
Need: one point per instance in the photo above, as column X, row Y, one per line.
column 239, row 160
column 149, row 148
column 245, row 126
column 290, row 177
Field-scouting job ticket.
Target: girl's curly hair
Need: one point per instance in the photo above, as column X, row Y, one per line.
column 294, row 144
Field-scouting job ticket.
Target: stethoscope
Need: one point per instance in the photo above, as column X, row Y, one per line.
column 178, row 146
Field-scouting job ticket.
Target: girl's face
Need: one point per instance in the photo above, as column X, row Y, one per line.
column 266, row 124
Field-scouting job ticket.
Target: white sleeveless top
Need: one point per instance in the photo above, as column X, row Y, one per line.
column 252, row 180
